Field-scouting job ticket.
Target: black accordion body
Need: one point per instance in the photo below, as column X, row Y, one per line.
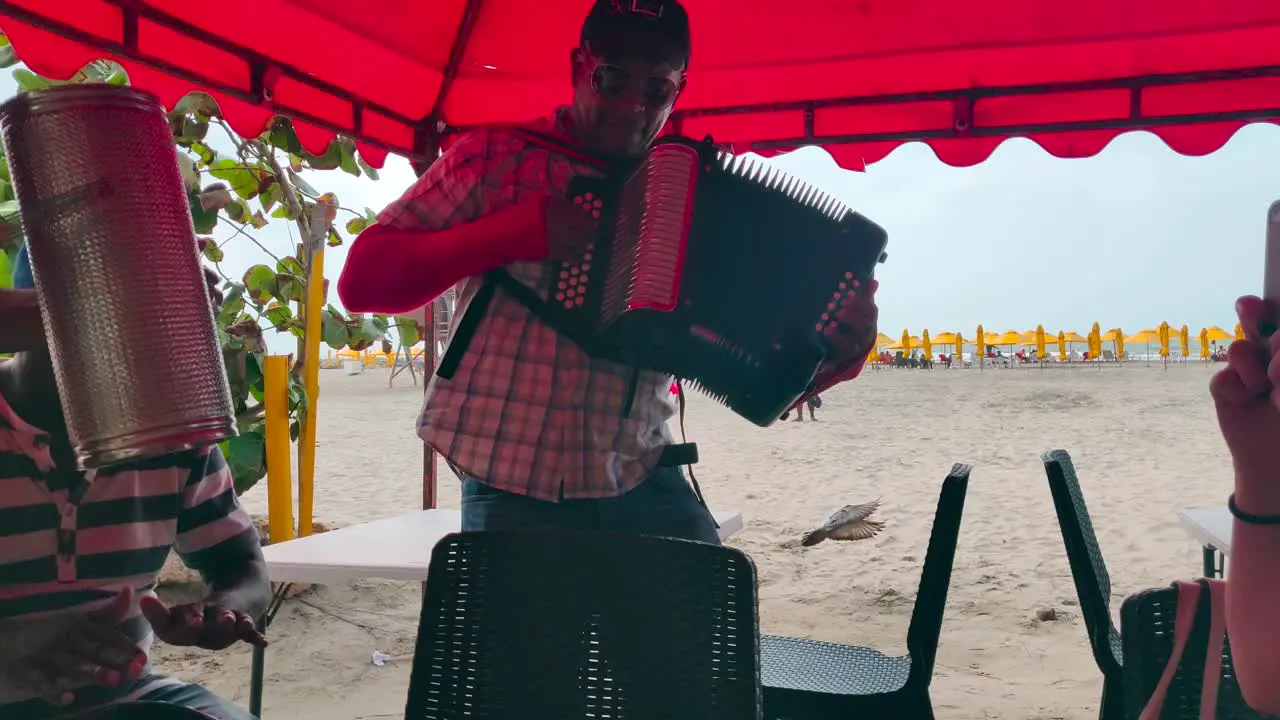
column 717, row 269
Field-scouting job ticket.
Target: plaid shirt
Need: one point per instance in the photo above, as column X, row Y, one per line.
column 527, row 411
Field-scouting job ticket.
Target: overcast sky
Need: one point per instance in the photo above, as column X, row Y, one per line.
column 1129, row 238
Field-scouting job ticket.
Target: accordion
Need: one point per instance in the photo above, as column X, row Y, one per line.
column 717, row 269
column 714, row 268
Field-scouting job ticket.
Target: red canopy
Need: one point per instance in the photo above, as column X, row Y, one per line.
column 858, row 78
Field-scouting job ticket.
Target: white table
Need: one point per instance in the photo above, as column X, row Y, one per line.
column 394, row 548
column 1211, row 526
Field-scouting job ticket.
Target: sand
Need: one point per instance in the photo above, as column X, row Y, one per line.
column 1145, row 444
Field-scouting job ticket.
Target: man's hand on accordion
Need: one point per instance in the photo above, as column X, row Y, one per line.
column 571, row 228
column 850, row 340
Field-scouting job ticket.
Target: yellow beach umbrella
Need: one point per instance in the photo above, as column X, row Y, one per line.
column 926, row 347
column 1095, row 342
column 1239, row 333
column 1217, row 334
column 958, row 341
column 980, row 339
column 1164, row 339
column 1010, row 337
column 1040, row 342
column 882, row 340
column 1184, row 340
column 1204, row 344
column 1116, row 338
column 905, row 343
column 1062, row 346
column 1144, row 337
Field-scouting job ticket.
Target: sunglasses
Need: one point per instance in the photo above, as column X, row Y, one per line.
column 611, row 81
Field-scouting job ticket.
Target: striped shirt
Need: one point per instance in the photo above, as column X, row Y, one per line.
column 527, row 411
column 69, row 542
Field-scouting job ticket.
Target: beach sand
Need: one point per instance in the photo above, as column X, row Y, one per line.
column 1145, row 444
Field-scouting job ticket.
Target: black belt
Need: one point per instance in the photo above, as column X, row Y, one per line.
column 672, row 456
column 677, row 455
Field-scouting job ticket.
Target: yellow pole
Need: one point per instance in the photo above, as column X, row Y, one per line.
column 311, row 382
column 275, row 400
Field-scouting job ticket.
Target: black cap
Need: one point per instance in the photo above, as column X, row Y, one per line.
column 643, row 27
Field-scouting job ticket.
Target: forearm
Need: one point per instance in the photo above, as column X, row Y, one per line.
column 390, row 270
column 235, row 573
column 244, row 587
column 20, row 325
column 1252, row 588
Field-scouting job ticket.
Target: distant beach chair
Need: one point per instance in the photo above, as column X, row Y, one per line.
column 1148, row 627
column 811, row 680
column 1093, row 583
column 558, row 624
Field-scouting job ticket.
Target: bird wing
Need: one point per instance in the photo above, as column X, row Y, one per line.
column 851, row 514
column 860, row 530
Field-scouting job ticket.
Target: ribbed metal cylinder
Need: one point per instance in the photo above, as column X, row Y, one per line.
column 123, row 297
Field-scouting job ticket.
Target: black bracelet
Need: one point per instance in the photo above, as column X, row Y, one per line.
column 1245, row 517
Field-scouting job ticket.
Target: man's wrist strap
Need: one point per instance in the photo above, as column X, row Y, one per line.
column 1250, row 518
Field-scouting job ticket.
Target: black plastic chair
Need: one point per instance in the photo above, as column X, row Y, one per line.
column 1093, row 584
column 549, row 624
column 1147, row 629
column 809, row 679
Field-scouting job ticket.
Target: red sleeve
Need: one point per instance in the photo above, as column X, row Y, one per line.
column 830, row 376
column 443, row 229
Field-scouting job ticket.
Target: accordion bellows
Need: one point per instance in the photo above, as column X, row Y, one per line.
column 720, row 270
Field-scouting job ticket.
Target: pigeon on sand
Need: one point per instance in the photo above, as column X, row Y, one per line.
column 851, row 522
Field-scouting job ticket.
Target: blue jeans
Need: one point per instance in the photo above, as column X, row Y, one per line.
column 182, row 694
column 663, row 505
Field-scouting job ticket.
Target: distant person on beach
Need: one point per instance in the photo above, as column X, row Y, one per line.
column 80, row 552
column 543, row 434
column 1247, row 396
column 811, row 403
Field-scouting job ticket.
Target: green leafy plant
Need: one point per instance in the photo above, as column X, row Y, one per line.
column 233, row 195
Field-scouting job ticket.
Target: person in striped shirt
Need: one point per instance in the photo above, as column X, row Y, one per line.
column 80, row 552
column 543, row 434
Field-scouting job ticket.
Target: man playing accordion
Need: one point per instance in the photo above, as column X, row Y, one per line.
column 542, row 434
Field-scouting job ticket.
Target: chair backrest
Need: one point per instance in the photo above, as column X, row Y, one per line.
column 1148, row 628
column 570, row 624
column 935, row 579
column 1088, row 570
